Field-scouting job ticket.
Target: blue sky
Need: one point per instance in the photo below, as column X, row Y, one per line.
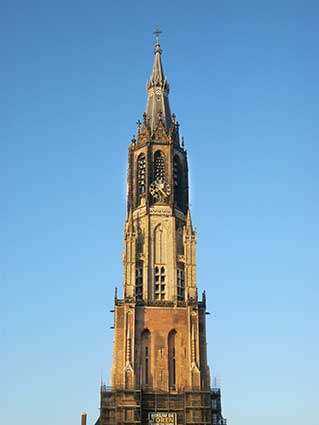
column 244, row 86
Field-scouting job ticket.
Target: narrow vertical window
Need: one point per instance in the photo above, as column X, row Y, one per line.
column 139, row 282
column 177, row 173
column 141, row 171
column 146, row 360
column 180, row 285
column 159, row 283
column 171, row 360
column 159, row 165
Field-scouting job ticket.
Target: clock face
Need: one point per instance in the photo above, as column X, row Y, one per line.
column 159, row 189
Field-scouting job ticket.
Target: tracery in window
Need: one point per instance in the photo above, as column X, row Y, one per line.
column 180, row 285
column 159, row 283
column 141, row 174
column 159, row 165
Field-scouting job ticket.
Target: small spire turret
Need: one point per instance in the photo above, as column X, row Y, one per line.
column 189, row 221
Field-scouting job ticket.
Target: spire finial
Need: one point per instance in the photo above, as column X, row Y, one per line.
column 138, row 127
column 157, row 32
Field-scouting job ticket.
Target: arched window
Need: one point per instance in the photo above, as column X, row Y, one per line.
column 159, row 283
column 159, row 165
column 180, row 285
column 171, row 360
column 146, row 357
column 141, row 174
column 139, row 282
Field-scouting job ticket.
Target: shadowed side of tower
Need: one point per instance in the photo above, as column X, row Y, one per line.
column 160, row 372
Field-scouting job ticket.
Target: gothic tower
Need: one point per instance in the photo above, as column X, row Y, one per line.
column 160, row 372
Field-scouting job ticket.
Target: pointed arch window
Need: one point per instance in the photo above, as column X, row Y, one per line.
column 139, row 282
column 141, row 174
column 180, row 285
column 172, row 360
column 159, row 165
column 159, row 283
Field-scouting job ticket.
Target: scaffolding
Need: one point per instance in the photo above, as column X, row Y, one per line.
column 122, row 406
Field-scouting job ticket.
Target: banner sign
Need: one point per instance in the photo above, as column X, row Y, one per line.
column 157, row 418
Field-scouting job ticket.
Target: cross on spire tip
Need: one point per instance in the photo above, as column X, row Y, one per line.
column 157, row 32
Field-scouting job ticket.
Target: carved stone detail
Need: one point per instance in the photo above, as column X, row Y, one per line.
column 161, row 210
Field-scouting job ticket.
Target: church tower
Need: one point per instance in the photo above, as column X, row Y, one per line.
column 160, row 372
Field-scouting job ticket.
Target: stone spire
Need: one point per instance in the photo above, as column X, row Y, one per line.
column 157, row 107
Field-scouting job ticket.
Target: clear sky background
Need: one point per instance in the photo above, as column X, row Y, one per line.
column 244, row 86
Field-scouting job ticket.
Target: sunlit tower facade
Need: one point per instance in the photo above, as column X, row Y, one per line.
column 160, row 372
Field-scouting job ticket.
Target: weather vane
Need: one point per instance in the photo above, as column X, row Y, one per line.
column 157, row 32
